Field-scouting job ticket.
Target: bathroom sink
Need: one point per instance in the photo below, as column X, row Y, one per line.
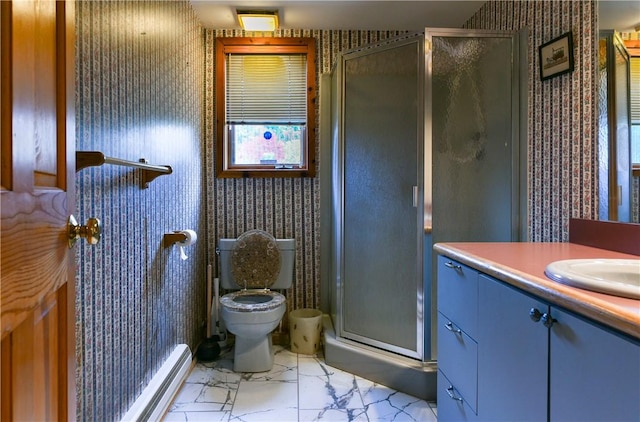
column 618, row 277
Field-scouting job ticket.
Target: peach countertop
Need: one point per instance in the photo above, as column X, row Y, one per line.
column 522, row 265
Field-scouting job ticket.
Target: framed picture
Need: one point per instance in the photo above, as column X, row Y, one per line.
column 556, row 56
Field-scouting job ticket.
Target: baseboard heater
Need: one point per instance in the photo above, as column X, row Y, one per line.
column 157, row 396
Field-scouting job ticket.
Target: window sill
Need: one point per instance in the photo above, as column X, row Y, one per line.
column 269, row 173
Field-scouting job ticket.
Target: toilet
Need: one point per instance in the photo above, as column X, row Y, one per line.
column 252, row 266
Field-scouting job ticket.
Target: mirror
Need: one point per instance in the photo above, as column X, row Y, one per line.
column 617, row 21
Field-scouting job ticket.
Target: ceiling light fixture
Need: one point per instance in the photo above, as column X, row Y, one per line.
column 251, row 20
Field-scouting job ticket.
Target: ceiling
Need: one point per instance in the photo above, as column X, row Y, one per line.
column 622, row 15
column 333, row 14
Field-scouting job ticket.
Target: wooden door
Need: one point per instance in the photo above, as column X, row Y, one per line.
column 37, row 196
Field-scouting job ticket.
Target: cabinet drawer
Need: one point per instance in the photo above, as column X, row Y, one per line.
column 450, row 409
column 458, row 294
column 458, row 359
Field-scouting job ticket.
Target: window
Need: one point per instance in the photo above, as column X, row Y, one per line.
column 635, row 114
column 265, row 105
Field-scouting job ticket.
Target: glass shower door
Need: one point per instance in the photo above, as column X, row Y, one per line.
column 473, row 135
column 381, row 186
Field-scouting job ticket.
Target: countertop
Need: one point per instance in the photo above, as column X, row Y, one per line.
column 522, row 265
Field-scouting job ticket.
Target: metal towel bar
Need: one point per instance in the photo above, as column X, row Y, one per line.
column 148, row 171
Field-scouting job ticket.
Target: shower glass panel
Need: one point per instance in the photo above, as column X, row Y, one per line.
column 382, row 202
column 472, row 139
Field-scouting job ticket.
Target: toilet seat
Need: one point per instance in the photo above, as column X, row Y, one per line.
column 255, row 260
column 252, row 300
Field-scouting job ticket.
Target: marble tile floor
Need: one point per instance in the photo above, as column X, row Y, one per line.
column 298, row 388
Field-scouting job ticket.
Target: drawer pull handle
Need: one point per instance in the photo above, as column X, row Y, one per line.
column 449, row 326
column 450, row 264
column 452, row 395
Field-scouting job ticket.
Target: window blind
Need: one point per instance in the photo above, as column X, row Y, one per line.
column 266, row 89
column 635, row 90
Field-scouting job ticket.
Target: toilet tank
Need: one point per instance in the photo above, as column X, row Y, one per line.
column 287, row 258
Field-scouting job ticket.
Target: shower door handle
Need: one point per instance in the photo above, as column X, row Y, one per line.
column 415, row 196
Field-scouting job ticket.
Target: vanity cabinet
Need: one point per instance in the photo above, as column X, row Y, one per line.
column 535, row 361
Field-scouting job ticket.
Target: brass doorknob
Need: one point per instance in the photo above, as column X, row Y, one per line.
column 91, row 231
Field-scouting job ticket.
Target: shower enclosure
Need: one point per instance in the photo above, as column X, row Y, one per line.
column 424, row 148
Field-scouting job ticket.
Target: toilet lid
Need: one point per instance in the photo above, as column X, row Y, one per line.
column 255, row 260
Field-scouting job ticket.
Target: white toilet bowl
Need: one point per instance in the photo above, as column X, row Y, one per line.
column 251, row 314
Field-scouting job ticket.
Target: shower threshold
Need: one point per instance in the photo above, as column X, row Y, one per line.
column 398, row 372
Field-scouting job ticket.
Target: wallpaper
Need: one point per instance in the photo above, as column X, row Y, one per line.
column 146, row 89
column 139, row 74
column 142, row 93
column 562, row 120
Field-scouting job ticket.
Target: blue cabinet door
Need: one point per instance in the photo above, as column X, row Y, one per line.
column 594, row 374
column 512, row 354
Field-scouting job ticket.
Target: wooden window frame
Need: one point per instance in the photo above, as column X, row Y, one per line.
column 250, row 45
column 633, row 47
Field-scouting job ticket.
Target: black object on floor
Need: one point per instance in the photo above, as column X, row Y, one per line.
column 209, row 349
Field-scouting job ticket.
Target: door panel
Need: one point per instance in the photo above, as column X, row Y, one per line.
column 44, row 104
column 608, row 390
column 37, row 196
column 507, row 337
column 381, row 220
column 35, row 369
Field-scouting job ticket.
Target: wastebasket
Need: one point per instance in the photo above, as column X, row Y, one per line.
column 305, row 326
